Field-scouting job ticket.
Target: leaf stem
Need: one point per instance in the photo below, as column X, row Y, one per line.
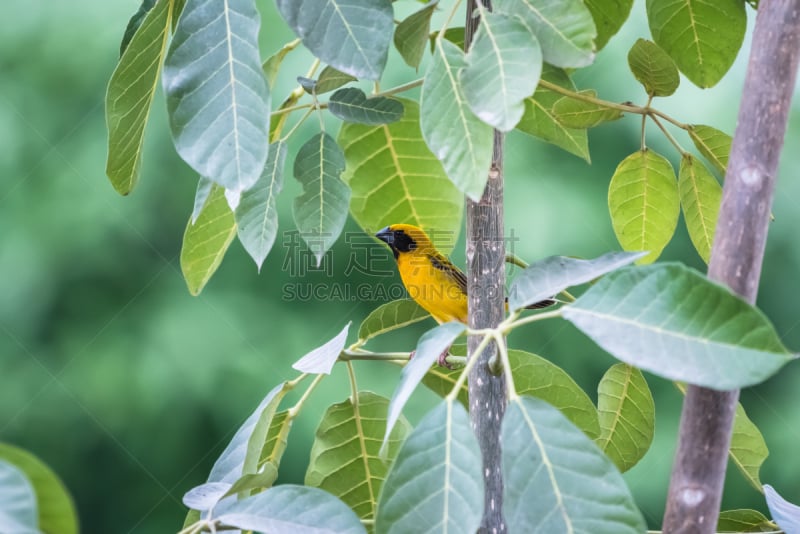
column 668, row 135
column 294, row 410
column 447, row 21
column 296, row 126
column 516, row 260
column 359, row 354
column 511, row 389
column 351, row 373
column 468, row 367
column 508, row 326
column 644, row 123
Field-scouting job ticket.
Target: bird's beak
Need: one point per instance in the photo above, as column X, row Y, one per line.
column 386, row 235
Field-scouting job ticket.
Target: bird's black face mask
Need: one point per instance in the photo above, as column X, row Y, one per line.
column 398, row 240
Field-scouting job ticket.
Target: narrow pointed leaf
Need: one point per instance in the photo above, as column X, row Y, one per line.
column 744, row 521
column 701, row 195
column 672, row 321
column 644, row 203
column 322, row 359
column 54, row 505
column 574, row 113
column 430, row 346
column 713, row 144
column 702, row 37
column 391, row 316
column 565, row 29
column 411, row 35
column 551, row 472
column 784, row 513
column 352, row 36
column 627, row 415
column 540, row 121
column 548, row 277
column 503, row 68
column 206, row 241
column 257, row 212
column 653, row 68
column 290, row 508
column 330, row 79
column 217, row 95
column 273, row 64
column 396, row 179
column 345, row 458
column 130, row 96
column 436, row 483
column 352, row 105
column 609, row 16
column 17, row 501
column 204, row 186
column 459, row 139
column 321, row 210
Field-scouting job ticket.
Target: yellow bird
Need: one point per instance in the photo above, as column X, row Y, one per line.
column 429, row 277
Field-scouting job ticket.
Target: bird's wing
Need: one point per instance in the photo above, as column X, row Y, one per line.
column 454, row 273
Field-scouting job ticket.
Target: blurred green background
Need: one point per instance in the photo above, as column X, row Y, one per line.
column 129, row 387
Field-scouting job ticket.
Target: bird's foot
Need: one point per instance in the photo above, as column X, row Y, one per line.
column 442, row 361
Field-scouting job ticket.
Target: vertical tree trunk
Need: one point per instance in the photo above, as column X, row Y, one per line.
column 698, row 475
column 486, row 287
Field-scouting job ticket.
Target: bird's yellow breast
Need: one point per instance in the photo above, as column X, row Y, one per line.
column 431, row 287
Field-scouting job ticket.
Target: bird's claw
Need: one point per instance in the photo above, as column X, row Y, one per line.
column 442, row 361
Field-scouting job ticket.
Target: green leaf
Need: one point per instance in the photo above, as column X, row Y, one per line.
column 396, row 179
column 130, row 95
column 257, row 213
column 135, row 23
column 273, row 64
column 391, row 316
column 206, row 241
column 503, row 68
column 701, row 195
column 744, row 521
column 457, row 36
column 539, row 119
column 627, row 415
column 265, row 478
column 459, row 139
column 276, row 441
column 56, row 510
column 322, row 359
column 784, row 513
column 345, row 458
column 653, row 68
column 204, row 186
column 713, row 144
column 430, row 346
column 17, row 501
column 672, row 321
column 748, row 449
column 702, row 37
column 321, row 210
column 330, row 79
column 609, row 16
column 352, row 105
column 644, row 203
column 290, row 508
column 353, row 37
column 436, row 483
column 205, row 496
column 565, row 29
column 550, row 276
column 217, row 95
column 411, row 34
column 574, row 113
column 552, row 472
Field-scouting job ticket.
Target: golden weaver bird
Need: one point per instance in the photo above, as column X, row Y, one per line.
column 429, row 277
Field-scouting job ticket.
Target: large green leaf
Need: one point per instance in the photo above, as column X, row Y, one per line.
column 702, row 37
column 552, row 472
column 748, row 449
column 352, row 105
column 257, row 213
column 609, row 16
column 276, row 440
column 345, row 458
column 565, row 29
column 459, row 139
column 322, row 359
column 130, row 95
column 206, row 240
column 701, row 195
column 644, row 203
column 627, row 415
column 56, row 510
column 503, row 68
column 395, row 178
column 673, row 321
column 391, row 316
column 653, row 68
column 321, row 210
column 575, row 113
column 290, row 508
column 436, row 484
column 784, row 513
column 713, row 144
column 135, row 23
column 550, row 276
column 411, row 35
column 539, row 119
column 351, row 35
column 217, row 95
column 744, row 521
column 17, row 501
